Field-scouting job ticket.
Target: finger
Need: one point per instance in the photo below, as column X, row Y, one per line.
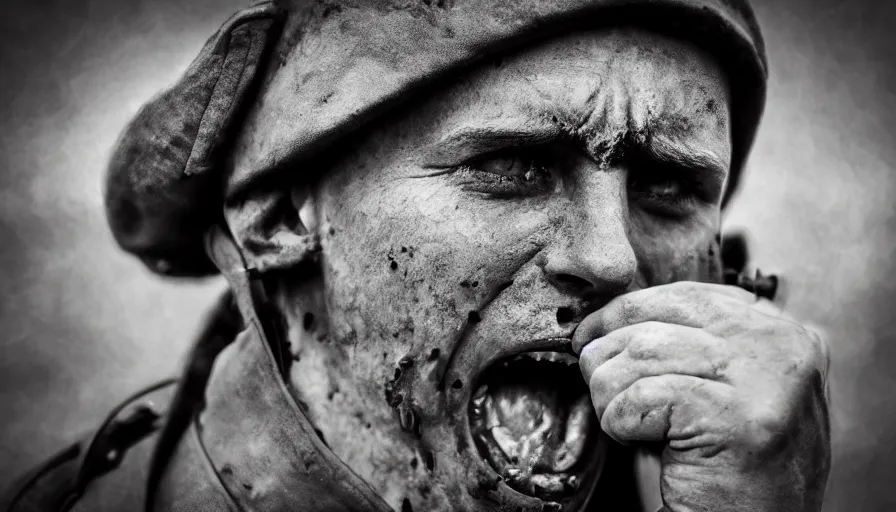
column 770, row 308
column 602, row 350
column 656, row 350
column 684, row 303
column 686, row 411
column 649, row 340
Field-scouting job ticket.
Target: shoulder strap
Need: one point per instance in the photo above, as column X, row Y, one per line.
column 60, row 482
column 220, row 330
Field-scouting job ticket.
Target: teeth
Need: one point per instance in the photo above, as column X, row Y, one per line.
column 548, row 483
column 479, row 401
column 572, row 483
column 549, row 357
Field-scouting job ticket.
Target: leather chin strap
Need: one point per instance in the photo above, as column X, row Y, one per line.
column 247, row 286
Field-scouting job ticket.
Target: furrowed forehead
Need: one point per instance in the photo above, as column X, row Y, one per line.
column 592, row 87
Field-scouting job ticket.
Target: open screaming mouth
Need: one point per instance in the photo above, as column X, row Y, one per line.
column 532, row 420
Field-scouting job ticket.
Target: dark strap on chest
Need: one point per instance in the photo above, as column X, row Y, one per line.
column 221, row 328
column 61, row 481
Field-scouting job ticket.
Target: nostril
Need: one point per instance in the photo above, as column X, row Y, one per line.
column 564, row 315
column 571, row 283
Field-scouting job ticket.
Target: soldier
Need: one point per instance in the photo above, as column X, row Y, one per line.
column 474, row 263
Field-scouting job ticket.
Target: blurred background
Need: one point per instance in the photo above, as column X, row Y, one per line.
column 82, row 325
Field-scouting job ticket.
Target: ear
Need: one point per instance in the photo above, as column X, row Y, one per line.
column 164, row 180
column 275, row 227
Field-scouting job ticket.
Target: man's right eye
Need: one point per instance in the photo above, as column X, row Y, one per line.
column 510, row 173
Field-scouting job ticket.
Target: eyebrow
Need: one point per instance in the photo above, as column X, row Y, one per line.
column 681, row 154
column 468, row 142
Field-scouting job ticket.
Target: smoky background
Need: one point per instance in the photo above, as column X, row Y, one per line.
column 82, row 325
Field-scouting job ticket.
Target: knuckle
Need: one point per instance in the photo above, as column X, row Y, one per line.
column 821, row 349
column 642, row 347
column 629, row 308
column 767, row 432
column 601, row 386
column 682, row 287
column 810, row 355
column 589, row 356
column 642, row 391
column 646, row 342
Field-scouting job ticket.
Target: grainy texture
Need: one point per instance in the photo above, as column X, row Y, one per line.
column 83, row 324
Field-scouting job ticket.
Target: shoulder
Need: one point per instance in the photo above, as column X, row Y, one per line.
column 106, row 470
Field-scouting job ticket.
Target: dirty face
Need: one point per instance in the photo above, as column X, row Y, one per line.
column 464, row 239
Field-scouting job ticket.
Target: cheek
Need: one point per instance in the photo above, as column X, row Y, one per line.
column 406, row 264
column 670, row 251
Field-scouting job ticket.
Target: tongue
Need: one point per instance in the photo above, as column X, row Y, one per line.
column 536, row 428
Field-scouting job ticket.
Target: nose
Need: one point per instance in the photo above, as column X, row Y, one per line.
column 592, row 254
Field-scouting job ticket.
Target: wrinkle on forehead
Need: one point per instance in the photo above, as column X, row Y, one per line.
column 608, row 90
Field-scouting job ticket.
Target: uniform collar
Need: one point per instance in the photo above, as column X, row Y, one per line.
column 262, row 446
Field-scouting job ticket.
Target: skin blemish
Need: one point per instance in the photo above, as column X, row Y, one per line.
column 457, row 384
column 484, row 486
column 393, row 265
column 308, row 321
column 429, row 460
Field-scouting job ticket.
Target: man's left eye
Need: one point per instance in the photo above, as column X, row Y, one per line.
column 663, row 194
column 506, row 174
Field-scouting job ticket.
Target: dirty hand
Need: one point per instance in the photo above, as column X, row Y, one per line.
column 733, row 390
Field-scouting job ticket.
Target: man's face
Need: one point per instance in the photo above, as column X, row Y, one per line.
column 486, row 222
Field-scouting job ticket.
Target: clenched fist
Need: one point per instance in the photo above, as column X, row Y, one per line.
column 732, row 389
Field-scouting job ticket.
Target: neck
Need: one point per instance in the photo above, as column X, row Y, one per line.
column 351, row 417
